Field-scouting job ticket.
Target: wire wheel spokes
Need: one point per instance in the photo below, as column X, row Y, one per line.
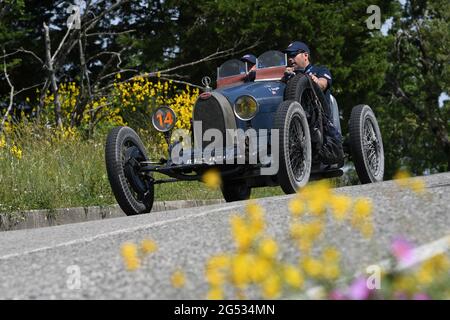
column 371, row 146
column 310, row 104
column 297, row 145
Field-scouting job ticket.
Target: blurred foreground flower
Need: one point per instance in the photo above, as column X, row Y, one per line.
column 404, row 180
column 178, row 279
column 148, row 246
column 402, row 250
column 212, row 178
column 130, row 256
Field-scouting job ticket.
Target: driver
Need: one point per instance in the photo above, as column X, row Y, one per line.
column 298, row 54
column 298, row 57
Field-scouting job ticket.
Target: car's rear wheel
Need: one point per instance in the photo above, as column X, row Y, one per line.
column 294, row 146
column 235, row 191
column 133, row 191
column 366, row 144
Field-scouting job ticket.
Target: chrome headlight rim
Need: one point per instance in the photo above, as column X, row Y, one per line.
column 254, row 113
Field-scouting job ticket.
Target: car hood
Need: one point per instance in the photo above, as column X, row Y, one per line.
column 269, row 94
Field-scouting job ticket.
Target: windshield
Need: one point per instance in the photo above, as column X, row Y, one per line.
column 230, row 68
column 271, row 58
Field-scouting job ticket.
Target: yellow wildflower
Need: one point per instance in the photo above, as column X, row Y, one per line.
column 293, row 276
column 312, row 230
column 296, row 230
column 401, row 178
column 432, row 268
column 148, row 246
column 242, row 237
column 260, row 269
column 312, row 267
column 130, row 255
column 331, row 255
column 2, row 141
column 417, row 185
column 317, row 205
column 361, row 211
column 219, row 261
column 215, row 277
column 16, row 152
column 178, row 279
column 254, row 210
column 240, row 270
column 268, row 248
column 271, row 287
column 340, row 206
column 296, row 207
column 212, row 178
column 331, row 271
column 215, row 293
column 405, row 283
column 256, row 218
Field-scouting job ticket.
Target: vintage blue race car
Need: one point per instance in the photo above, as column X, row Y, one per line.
column 255, row 129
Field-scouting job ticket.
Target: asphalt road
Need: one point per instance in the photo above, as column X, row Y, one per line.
column 34, row 263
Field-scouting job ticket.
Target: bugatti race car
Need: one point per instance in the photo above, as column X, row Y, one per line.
column 255, row 129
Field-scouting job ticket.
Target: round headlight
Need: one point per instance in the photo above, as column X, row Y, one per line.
column 245, row 108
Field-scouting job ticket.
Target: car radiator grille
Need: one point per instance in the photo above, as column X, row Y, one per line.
column 211, row 114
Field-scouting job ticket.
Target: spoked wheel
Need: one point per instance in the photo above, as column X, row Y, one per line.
column 366, row 144
column 300, row 88
column 124, row 152
column 294, row 146
column 235, row 191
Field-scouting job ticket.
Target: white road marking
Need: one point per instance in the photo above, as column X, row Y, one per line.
column 128, row 230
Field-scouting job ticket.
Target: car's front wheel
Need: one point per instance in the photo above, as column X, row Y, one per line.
column 294, row 146
column 133, row 191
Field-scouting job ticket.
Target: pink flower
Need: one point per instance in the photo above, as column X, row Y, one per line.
column 359, row 290
column 337, row 295
column 421, row 296
column 402, row 250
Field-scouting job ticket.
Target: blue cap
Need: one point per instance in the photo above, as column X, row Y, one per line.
column 296, row 46
column 249, row 58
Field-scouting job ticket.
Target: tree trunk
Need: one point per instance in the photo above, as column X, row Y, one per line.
column 52, row 76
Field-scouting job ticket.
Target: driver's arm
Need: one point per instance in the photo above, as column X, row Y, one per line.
column 322, row 77
column 321, row 82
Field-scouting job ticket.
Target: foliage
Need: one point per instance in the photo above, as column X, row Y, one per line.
column 415, row 128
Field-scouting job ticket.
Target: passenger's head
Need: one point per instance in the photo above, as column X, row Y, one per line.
column 250, row 60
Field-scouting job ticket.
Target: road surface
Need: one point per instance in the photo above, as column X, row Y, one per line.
column 35, row 264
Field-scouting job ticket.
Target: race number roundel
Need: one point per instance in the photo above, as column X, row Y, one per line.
column 164, row 119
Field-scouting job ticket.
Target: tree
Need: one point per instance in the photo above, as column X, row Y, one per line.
column 416, row 128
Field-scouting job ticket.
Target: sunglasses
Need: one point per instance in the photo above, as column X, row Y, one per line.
column 295, row 53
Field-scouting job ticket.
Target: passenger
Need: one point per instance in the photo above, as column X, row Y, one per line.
column 250, row 60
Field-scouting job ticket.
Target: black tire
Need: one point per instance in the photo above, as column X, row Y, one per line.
column 366, row 144
column 235, row 191
column 124, row 150
column 294, row 149
column 296, row 88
